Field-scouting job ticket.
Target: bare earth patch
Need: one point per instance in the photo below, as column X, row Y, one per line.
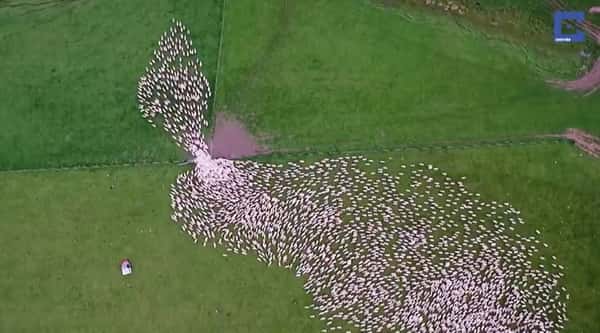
column 586, row 142
column 590, row 82
column 587, row 83
column 582, row 140
column 231, row 140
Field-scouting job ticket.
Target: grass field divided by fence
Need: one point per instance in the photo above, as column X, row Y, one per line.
column 100, row 214
column 335, row 80
column 86, row 86
column 105, row 213
column 70, row 75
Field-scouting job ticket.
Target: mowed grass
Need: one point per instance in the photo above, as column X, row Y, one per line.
column 311, row 74
column 69, row 78
column 308, row 74
column 555, row 187
column 539, row 10
column 62, row 235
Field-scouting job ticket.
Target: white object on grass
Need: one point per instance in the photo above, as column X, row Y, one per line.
column 126, row 267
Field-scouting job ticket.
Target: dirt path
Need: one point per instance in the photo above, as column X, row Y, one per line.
column 581, row 139
column 585, row 141
column 589, row 82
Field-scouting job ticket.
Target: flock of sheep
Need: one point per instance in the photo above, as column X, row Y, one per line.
column 381, row 246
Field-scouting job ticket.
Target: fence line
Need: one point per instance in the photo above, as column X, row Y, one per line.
column 330, row 151
column 95, row 166
column 213, row 111
column 333, row 150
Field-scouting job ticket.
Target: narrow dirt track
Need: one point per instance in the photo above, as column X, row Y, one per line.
column 589, row 82
column 585, row 141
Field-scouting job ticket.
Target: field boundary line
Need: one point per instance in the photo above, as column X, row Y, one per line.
column 434, row 146
column 96, row 166
column 333, row 151
column 213, row 111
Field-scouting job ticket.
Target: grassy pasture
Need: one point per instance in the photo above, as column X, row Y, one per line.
column 528, row 22
column 554, row 187
column 63, row 233
column 529, row 8
column 69, row 78
column 556, row 190
column 293, row 71
column 301, row 73
column 309, row 74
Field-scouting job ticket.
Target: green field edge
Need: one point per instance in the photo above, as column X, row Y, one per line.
column 333, row 151
column 212, row 112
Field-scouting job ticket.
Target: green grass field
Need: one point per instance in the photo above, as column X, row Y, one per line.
column 310, row 74
column 63, row 234
column 69, row 79
column 301, row 74
column 66, row 231
column 556, row 190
